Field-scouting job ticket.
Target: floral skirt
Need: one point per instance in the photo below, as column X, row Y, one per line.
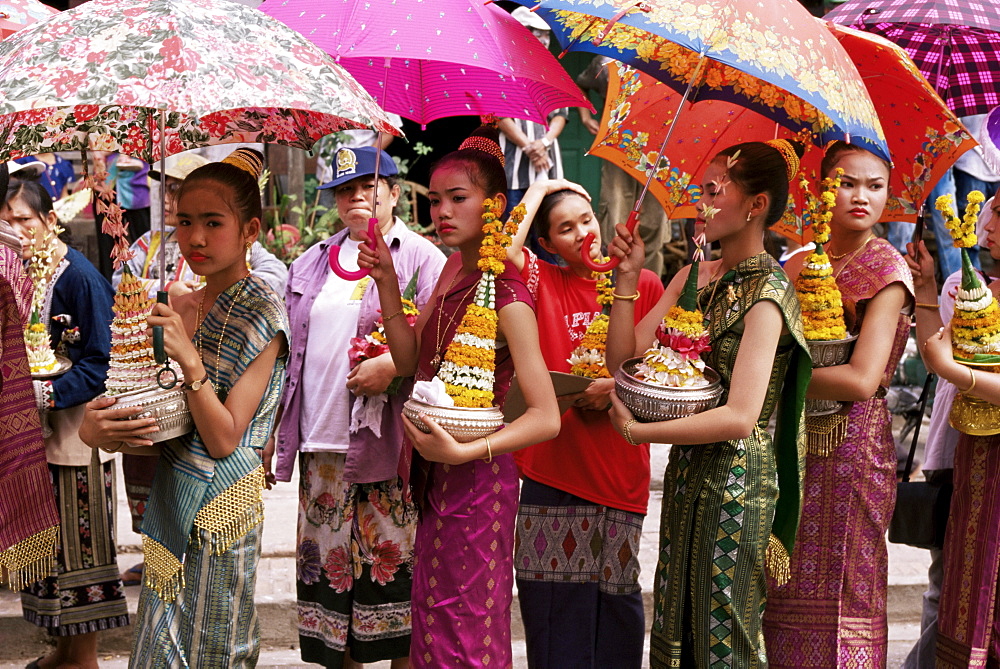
column 355, row 565
column 85, row 593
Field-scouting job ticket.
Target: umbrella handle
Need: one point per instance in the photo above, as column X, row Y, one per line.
column 588, row 242
column 344, row 274
column 160, row 353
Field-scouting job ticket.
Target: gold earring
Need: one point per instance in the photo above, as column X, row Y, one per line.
column 249, row 244
column 749, row 215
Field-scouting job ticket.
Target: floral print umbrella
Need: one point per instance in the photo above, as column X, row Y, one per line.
column 94, row 77
column 770, row 56
column 924, row 136
column 16, row 14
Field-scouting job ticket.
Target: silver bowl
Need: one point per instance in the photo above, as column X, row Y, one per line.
column 464, row 423
column 828, row 353
column 650, row 402
column 168, row 407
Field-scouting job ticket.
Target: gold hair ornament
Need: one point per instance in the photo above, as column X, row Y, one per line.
column 247, row 161
column 787, row 151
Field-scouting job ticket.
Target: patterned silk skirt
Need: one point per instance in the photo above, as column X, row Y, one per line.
column 463, row 574
column 709, row 591
column 577, row 569
column 832, row 612
column 969, row 616
column 213, row 622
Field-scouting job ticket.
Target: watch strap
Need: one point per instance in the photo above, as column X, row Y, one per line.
column 201, row 382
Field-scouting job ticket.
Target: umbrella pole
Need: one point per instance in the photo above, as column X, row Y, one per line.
column 633, row 217
column 373, row 220
column 166, row 378
column 163, row 207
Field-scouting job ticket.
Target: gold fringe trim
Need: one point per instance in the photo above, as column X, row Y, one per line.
column 777, row 561
column 30, row 560
column 163, row 573
column 234, row 512
column 825, row 433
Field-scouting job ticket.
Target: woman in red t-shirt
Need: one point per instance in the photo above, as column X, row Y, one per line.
column 584, row 493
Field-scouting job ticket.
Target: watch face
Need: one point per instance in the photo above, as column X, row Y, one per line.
column 196, row 385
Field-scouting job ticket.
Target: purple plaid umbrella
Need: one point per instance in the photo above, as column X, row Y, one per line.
column 954, row 43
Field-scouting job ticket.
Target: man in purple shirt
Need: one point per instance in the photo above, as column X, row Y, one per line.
column 355, row 530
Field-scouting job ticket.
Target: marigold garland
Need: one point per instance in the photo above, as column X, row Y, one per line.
column 587, row 359
column 470, row 360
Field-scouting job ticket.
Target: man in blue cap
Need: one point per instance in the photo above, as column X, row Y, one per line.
column 355, row 527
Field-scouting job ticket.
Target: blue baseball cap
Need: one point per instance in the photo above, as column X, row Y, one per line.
column 360, row 162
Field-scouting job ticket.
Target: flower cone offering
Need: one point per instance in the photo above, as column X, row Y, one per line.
column 674, row 360
column 671, row 380
column 132, row 363
column 41, row 358
column 587, row 359
column 976, row 321
column 816, row 286
column 975, row 324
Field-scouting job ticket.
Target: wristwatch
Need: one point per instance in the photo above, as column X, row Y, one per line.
column 546, row 142
column 196, row 385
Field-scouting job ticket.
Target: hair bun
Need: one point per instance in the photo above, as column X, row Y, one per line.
column 247, row 159
column 485, row 138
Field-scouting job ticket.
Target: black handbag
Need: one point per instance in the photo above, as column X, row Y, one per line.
column 920, row 516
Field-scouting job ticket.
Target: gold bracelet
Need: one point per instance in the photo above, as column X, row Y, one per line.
column 489, row 451
column 121, row 445
column 627, row 430
column 928, row 305
column 630, row 298
column 973, row 384
column 386, row 319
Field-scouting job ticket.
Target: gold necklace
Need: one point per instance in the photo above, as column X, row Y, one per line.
column 851, row 257
column 715, row 274
column 834, row 256
column 222, row 335
column 438, row 340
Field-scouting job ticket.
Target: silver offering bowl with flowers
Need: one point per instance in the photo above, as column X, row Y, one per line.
column 465, row 424
column 651, row 402
column 828, row 353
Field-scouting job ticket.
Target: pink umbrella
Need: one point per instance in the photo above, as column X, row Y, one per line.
column 428, row 60
column 16, row 14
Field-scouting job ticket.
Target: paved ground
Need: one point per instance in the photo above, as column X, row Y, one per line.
column 20, row 642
